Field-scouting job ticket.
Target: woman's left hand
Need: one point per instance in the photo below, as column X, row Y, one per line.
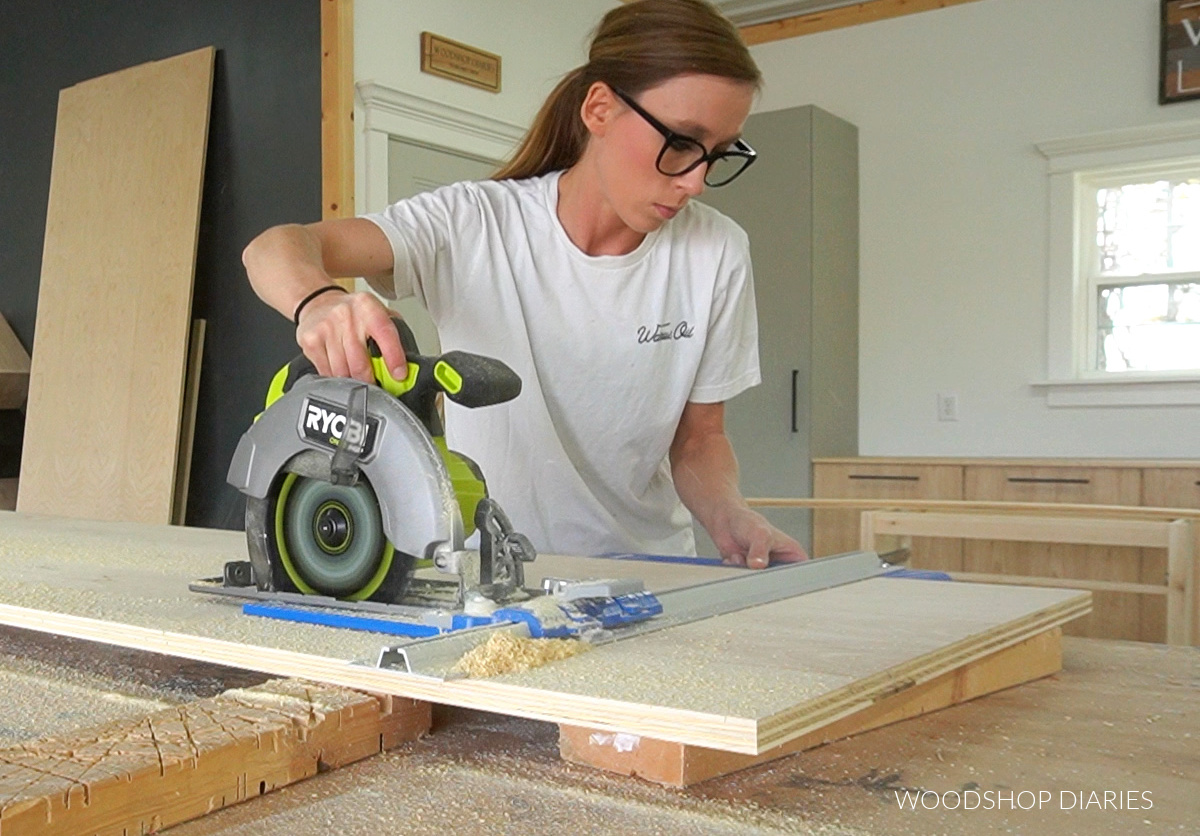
column 745, row 538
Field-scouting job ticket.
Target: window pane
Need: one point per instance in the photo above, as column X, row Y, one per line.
column 1151, row 327
column 1151, row 227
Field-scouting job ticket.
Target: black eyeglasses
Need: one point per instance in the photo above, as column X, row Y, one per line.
column 681, row 154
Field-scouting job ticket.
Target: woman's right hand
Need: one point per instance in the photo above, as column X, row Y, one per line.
column 286, row 263
column 333, row 333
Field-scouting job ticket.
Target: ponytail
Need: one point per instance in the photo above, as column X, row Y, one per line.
column 636, row 46
column 558, row 135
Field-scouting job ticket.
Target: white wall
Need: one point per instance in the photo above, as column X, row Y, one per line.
column 538, row 41
column 949, row 105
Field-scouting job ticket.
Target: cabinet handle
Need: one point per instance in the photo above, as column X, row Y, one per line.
column 880, row 478
column 795, row 388
column 1047, row 480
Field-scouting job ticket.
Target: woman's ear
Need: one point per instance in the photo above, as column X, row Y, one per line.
column 599, row 107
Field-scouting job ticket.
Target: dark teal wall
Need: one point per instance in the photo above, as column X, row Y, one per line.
column 264, row 167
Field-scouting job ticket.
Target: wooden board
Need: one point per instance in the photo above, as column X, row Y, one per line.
column 1178, row 486
column 678, row 765
column 1176, row 584
column 114, row 302
column 1120, row 716
column 337, row 109
column 183, row 762
column 187, row 428
column 855, row 14
column 14, row 368
column 744, row 682
column 836, row 530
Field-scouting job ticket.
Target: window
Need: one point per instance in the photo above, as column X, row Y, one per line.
column 1124, row 267
column 1140, row 270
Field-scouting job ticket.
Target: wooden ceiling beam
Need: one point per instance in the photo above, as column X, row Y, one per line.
column 841, row 17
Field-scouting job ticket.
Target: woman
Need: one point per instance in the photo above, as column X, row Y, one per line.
column 627, row 310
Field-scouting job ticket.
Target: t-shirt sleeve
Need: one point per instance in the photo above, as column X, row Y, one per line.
column 419, row 229
column 729, row 364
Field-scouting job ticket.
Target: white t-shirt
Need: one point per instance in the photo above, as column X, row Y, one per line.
column 609, row 350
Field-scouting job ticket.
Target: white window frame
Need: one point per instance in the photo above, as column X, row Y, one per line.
column 1090, row 280
column 1074, row 165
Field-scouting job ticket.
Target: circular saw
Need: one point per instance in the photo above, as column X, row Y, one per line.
column 350, row 485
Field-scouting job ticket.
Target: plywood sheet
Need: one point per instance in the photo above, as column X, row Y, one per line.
column 743, row 682
column 187, row 428
column 678, row 765
column 114, row 303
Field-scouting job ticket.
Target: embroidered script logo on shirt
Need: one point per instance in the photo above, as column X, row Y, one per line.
column 666, row 331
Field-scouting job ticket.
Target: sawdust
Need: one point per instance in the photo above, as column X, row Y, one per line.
column 505, row 653
column 707, row 670
column 421, row 794
column 548, row 612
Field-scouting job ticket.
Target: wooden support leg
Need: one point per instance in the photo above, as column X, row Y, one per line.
column 1193, row 592
column 1179, row 582
column 866, row 531
column 180, row 763
column 679, row 765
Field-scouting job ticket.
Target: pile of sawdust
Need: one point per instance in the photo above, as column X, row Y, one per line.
column 505, row 653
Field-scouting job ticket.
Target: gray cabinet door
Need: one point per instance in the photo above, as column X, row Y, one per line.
column 799, row 205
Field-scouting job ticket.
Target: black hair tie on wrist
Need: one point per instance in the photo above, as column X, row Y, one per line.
column 314, row 295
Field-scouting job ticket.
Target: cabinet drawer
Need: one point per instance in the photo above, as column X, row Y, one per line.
column 885, row 481
column 837, row 531
column 1114, row 615
column 1171, row 487
column 1076, row 485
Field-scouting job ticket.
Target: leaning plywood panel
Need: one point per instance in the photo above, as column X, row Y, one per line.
column 743, row 682
column 114, row 303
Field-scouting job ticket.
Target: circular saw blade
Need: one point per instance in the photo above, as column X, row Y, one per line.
column 328, row 539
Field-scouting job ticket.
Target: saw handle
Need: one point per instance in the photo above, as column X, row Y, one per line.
column 470, row 380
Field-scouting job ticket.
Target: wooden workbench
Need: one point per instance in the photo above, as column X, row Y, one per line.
column 1117, row 719
column 1120, row 716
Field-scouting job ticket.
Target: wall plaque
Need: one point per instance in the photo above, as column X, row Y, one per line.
column 1179, row 54
column 459, row 62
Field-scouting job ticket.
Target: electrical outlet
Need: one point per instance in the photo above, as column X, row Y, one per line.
column 947, row 407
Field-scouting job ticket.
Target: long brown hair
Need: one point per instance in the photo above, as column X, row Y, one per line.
column 636, row 46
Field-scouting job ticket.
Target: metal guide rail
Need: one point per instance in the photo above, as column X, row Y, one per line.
column 436, row 656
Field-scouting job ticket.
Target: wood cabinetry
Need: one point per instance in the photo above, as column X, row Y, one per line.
column 1116, row 614
column 1171, row 487
column 1165, row 487
column 837, row 531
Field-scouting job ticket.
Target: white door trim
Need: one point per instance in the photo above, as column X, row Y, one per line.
column 385, row 112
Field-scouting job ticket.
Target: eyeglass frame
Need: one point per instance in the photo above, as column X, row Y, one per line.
column 740, row 147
